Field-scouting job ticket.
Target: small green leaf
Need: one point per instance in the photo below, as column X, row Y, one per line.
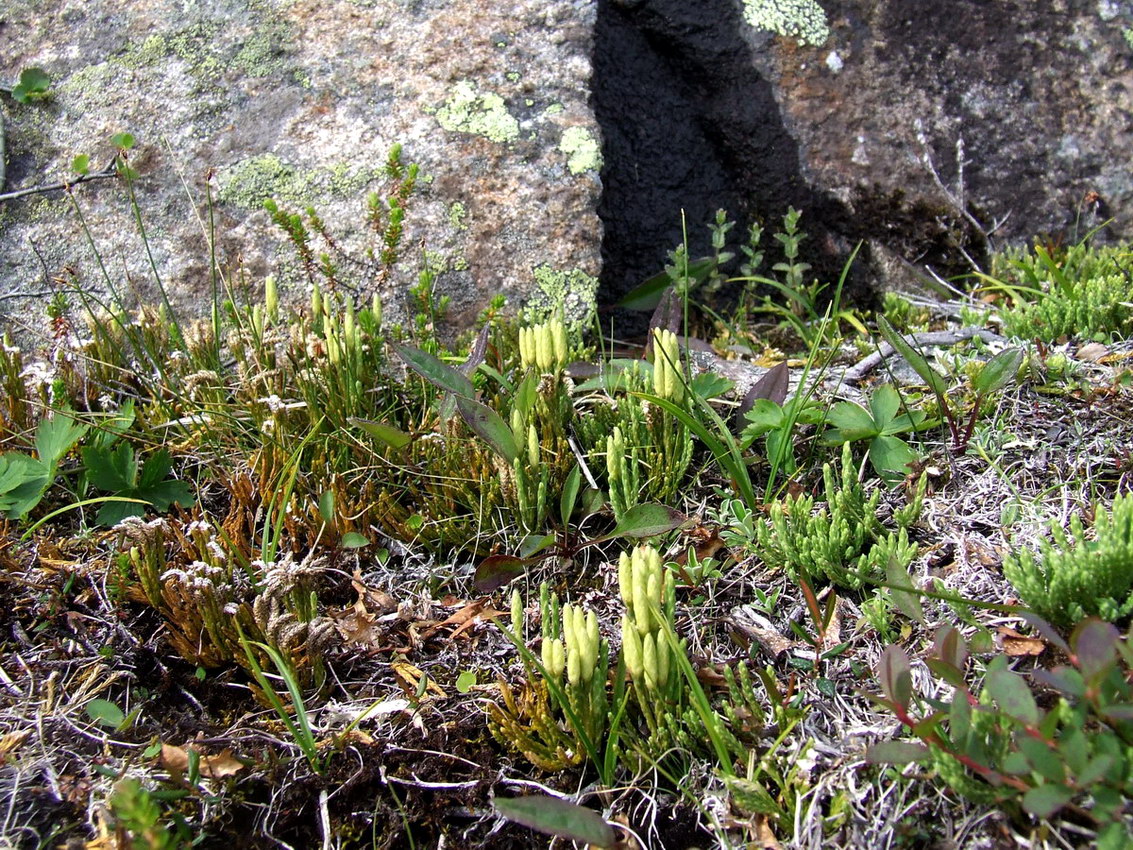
column 465, row 681
column 434, row 371
column 113, row 470
column 354, row 540
column 488, row 425
column 884, row 404
column 570, row 494
column 901, row 585
column 915, row 359
column 853, row 422
column 326, row 506
column 891, row 456
column 647, row 520
column 154, row 470
column 1011, row 694
column 710, row 385
column 553, row 816
column 999, row 371
column 105, row 713
column 1044, row 800
column 393, row 437
column 34, row 84
column 122, row 141
column 81, row 165
column 165, row 494
column 896, row 752
column 55, row 436
column 765, row 415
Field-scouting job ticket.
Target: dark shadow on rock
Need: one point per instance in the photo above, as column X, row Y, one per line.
column 688, row 123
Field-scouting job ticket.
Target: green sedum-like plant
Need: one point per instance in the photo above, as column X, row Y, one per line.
column 844, row 541
column 1074, row 577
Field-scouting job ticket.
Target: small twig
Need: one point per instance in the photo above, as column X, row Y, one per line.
column 856, row 373
column 108, row 171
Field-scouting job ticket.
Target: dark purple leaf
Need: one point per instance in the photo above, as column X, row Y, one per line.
column 1095, row 644
column 666, row 316
column 949, row 646
column 496, row 571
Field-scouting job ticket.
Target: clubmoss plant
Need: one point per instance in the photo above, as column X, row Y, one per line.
column 1075, row 576
column 843, row 541
column 1055, row 292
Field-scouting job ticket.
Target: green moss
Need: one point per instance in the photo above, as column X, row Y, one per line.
column 572, row 290
column 581, row 149
column 469, row 110
column 803, row 20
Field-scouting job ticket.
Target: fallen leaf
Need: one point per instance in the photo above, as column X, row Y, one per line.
column 1092, row 352
column 176, row 760
column 11, row 742
column 1016, row 645
column 409, row 677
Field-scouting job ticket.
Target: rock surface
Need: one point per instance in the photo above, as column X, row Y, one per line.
column 301, row 101
column 833, row 105
column 858, row 112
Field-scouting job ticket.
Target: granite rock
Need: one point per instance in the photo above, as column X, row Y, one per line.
column 300, row 100
column 860, row 113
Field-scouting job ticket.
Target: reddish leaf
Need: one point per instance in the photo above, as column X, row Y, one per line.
column 496, row 571
column 951, row 648
column 895, row 675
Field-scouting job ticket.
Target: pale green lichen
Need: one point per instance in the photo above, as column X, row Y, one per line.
column 469, row 110
column 91, row 81
column 252, row 181
column 803, row 20
column 571, row 291
column 581, row 149
column 553, row 109
column 457, row 213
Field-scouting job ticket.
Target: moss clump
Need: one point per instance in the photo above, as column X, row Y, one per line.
column 469, row 110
